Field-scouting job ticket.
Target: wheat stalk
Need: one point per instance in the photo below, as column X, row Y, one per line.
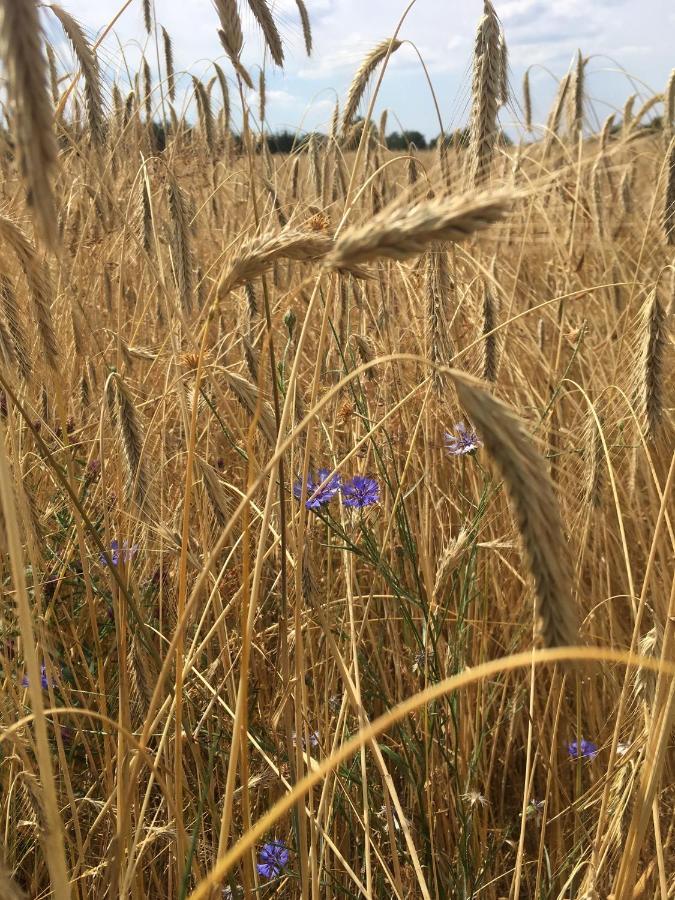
column 362, row 77
column 534, row 505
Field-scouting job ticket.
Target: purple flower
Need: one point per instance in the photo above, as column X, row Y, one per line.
column 44, row 681
column 273, row 858
column 361, row 491
column 313, row 739
column 317, row 499
column 93, row 469
column 127, row 553
column 582, row 750
column 462, row 442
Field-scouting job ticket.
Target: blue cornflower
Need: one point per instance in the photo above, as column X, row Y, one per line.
column 582, row 750
column 273, row 858
column 313, row 739
column 44, row 681
column 462, row 442
column 360, row 491
column 127, row 553
column 317, row 499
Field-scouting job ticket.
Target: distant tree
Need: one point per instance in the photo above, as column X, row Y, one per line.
column 282, row 141
column 398, row 141
column 461, row 137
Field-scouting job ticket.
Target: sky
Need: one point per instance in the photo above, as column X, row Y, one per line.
column 629, row 42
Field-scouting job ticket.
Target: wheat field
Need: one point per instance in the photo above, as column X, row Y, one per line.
column 336, row 532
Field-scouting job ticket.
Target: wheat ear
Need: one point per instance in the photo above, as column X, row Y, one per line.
column 132, row 438
column 252, row 401
column 486, row 92
column 221, row 508
column 205, row 114
column 181, row 244
column 553, row 123
column 438, row 287
column 669, row 200
column 261, row 10
column 489, row 337
column 398, row 234
column 147, row 16
column 39, row 286
column 527, row 100
column 257, row 255
column 669, row 106
column 90, row 71
column 306, row 29
column 362, row 77
column 651, row 365
column 168, row 62
column 576, row 98
column 26, row 67
column 534, row 505
column 225, row 93
column 234, row 59
column 10, row 309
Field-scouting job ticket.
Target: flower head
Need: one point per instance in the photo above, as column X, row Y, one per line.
column 44, row 681
column 127, row 553
column 318, row 498
column 273, row 858
column 582, row 749
column 313, row 739
column 361, row 491
column 462, row 442
column 474, row 798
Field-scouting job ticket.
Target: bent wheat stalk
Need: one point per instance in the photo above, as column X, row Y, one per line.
column 398, row 234
column 362, row 77
column 534, row 505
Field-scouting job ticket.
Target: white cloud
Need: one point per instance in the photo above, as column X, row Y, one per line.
column 547, row 32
